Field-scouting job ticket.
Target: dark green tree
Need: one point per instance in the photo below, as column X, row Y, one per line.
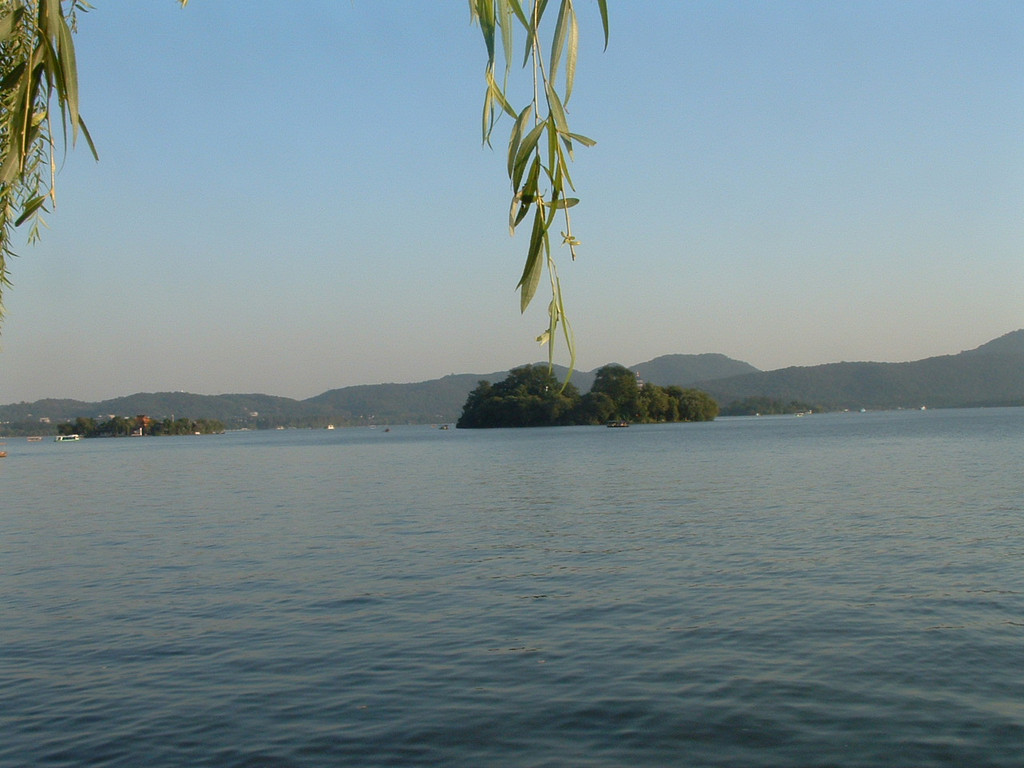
column 695, row 405
column 530, row 396
column 655, row 404
column 620, row 385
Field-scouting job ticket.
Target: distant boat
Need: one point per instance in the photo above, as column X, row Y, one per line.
column 66, row 438
column 443, row 426
column 329, row 426
column 617, row 423
column 35, row 439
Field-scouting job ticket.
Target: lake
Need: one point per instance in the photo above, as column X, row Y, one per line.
column 828, row 590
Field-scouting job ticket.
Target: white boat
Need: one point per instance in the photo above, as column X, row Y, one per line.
column 66, row 438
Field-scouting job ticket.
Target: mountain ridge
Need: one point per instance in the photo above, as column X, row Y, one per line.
column 991, row 374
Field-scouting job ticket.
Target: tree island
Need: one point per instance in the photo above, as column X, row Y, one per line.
column 531, row 396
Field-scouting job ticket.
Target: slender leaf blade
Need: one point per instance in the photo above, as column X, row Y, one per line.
column 531, row 271
column 571, row 53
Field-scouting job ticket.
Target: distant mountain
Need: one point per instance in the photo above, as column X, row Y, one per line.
column 441, row 400
column 435, row 401
column 992, row 374
column 234, row 410
column 1010, row 344
column 687, row 370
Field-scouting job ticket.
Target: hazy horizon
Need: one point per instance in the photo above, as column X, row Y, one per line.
column 291, row 203
column 631, row 364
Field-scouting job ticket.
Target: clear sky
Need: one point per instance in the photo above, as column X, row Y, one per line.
column 293, row 197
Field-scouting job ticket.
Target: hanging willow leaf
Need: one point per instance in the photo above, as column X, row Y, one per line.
column 548, row 160
column 565, row 202
column 37, row 66
column 571, row 54
column 602, row 6
column 30, row 207
column 557, row 110
column 531, row 271
column 558, row 38
column 581, row 139
column 516, row 136
column 526, row 150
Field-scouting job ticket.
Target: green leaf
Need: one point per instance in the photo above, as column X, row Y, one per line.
column 526, row 148
column 563, row 166
column 572, row 49
column 88, row 139
column 523, row 199
column 553, row 153
column 504, row 20
column 531, row 271
column 558, row 38
column 68, row 92
column 8, row 83
column 31, row 206
column 50, row 16
column 533, row 28
column 517, row 9
column 487, row 119
column 563, row 203
column 557, row 110
column 570, row 338
column 483, row 11
column 498, row 95
column 581, row 139
column 603, row 7
column 9, row 21
column 515, row 137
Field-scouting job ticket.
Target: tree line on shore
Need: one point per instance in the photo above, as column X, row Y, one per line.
column 531, row 396
column 123, row 426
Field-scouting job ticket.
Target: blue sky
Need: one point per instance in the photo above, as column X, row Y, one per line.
column 294, row 197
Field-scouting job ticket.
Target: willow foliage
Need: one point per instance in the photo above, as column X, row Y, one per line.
column 37, row 63
column 38, row 67
column 540, row 143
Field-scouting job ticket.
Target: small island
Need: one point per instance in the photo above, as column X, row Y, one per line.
column 531, row 396
column 140, row 426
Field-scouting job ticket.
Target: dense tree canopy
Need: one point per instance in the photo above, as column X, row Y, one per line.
column 141, row 426
column 531, row 396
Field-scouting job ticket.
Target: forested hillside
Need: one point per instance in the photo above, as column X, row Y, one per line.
column 991, row 374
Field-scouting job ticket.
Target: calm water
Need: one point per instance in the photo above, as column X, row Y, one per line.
column 833, row 590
